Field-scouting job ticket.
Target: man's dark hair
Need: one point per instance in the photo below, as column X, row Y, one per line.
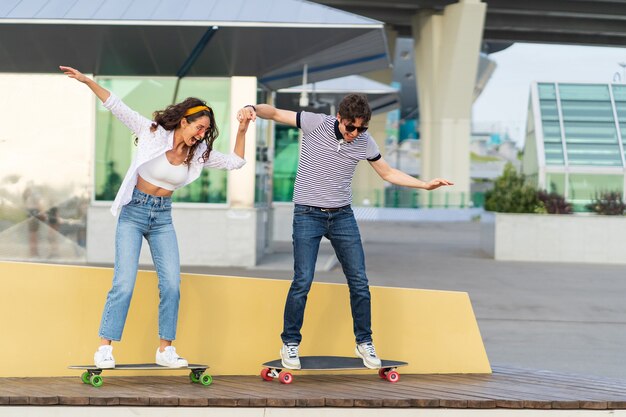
column 355, row 106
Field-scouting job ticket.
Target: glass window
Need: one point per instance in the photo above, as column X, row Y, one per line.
column 583, row 187
column 547, row 91
column 46, row 180
column 581, row 132
column 115, row 145
column 584, row 92
column 286, row 151
column 586, row 154
column 620, row 107
column 549, row 110
column 554, row 154
column 553, row 146
column 555, row 183
column 592, row 111
column 552, row 132
column 590, row 133
column 263, row 165
column 619, row 92
column 212, row 185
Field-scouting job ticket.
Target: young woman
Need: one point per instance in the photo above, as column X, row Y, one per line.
column 172, row 150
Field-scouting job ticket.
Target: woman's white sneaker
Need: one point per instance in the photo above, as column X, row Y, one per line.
column 103, row 358
column 170, row 358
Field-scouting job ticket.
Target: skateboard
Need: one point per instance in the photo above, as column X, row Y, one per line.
column 274, row 369
column 92, row 373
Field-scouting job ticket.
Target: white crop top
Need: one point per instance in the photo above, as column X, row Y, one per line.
column 160, row 172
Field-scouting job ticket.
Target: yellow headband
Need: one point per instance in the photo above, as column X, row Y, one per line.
column 195, row 110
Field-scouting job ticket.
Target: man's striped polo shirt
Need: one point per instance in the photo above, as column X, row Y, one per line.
column 327, row 163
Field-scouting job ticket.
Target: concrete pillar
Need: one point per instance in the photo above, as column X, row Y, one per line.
column 447, row 47
column 366, row 184
column 241, row 181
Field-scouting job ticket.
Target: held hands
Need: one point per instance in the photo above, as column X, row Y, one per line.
column 436, row 183
column 244, row 117
column 74, row 73
column 248, row 111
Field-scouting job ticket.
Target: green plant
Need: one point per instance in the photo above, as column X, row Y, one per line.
column 608, row 203
column 511, row 193
column 553, row 203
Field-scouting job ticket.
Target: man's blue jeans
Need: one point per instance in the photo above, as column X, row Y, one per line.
column 150, row 217
column 310, row 224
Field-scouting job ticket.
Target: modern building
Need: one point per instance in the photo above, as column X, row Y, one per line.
column 575, row 139
column 448, row 36
column 63, row 155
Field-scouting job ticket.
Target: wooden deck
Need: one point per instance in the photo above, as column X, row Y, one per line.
column 505, row 388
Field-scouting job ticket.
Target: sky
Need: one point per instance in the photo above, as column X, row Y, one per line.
column 503, row 104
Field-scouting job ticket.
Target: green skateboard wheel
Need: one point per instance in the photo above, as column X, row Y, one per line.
column 85, row 377
column 206, row 380
column 96, row 381
column 193, row 377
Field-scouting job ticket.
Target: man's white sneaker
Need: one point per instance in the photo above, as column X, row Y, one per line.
column 170, row 358
column 103, row 358
column 367, row 352
column 289, row 356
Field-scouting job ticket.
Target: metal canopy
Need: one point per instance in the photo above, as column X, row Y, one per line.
column 324, row 95
column 271, row 40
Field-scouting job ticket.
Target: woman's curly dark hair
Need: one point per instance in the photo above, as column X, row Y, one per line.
column 170, row 119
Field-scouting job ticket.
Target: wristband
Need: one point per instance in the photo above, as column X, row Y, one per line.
column 250, row 105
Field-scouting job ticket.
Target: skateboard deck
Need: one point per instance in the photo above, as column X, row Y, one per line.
column 92, row 373
column 274, row 369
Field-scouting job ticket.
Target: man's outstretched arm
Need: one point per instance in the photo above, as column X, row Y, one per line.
column 265, row 111
column 397, row 177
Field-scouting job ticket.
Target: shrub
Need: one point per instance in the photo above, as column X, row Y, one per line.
column 511, row 193
column 608, row 203
column 553, row 203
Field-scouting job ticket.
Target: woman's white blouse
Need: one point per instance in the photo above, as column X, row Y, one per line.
column 151, row 145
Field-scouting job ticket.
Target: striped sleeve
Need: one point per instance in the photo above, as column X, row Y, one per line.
column 372, row 153
column 308, row 122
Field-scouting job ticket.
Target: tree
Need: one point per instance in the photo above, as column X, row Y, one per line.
column 511, row 193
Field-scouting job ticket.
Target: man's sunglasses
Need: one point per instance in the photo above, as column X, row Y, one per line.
column 350, row 128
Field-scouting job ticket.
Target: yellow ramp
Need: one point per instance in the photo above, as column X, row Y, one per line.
column 51, row 314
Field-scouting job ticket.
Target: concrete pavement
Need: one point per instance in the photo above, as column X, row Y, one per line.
column 562, row 317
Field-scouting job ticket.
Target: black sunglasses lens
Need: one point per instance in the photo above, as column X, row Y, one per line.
column 350, row 128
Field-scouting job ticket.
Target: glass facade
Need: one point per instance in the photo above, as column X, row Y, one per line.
column 286, row 151
column 263, row 174
column 555, row 183
column 580, row 138
column 619, row 96
column 115, row 145
column 46, row 177
column 551, row 126
column 48, row 180
column 579, row 126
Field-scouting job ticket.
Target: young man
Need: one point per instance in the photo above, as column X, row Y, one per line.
column 331, row 149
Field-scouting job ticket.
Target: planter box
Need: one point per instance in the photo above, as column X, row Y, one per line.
column 554, row 238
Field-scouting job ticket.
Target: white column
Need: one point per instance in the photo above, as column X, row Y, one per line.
column 447, row 48
column 241, row 181
column 366, row 184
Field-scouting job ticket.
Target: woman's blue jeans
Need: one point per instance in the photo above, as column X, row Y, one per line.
column 310, row 224
column 150, row 217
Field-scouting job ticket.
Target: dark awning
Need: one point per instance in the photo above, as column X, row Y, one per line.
column 271, row 40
